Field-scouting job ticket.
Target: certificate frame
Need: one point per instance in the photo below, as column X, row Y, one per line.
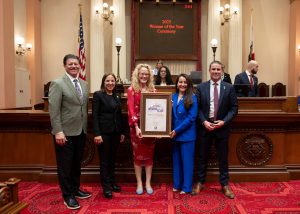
column 156, row 114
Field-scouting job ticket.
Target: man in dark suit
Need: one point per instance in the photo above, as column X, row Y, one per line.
column 68, row 99
column 217, row 107
column 226, row 78
column 248, row 78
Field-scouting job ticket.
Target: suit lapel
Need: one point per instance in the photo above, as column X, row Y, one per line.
column 207, row 91
column 245, row 78
column 175, row 104
column 222, row 92
column 71, row 87
column 83, row 88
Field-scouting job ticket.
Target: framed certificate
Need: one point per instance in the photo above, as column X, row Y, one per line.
column 156, row 110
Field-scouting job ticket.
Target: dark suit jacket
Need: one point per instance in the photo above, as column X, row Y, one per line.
column 242, row 78
column 228, row 105
column 107, row 115
column 227, row 78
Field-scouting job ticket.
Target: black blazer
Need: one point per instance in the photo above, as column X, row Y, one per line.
column 228, row 105
column 242, row 78
column 107, row 115
column 226, row 78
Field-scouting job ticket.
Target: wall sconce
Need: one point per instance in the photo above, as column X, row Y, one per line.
column 21, row 50
column 214, row 46
column 107, row 14
column 225, row 12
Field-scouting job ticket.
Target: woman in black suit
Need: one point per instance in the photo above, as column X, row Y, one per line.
column 107, row 127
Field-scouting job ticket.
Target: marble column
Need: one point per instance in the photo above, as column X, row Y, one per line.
column 213, row 31
column 96, row 47
column 235, row 59
column 7, row 55
column 294, row 54
column 119, row 30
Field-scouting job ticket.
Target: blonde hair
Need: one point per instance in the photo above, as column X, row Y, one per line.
column 135, row 83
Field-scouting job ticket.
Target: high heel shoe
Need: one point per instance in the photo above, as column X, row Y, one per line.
column 139, row 191
column 175, row 190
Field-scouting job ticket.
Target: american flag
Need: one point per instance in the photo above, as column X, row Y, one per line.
column 81, row 50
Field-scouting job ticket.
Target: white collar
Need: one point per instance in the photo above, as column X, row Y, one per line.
column 72, row 78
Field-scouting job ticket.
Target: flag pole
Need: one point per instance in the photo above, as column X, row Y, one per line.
column 251, row 55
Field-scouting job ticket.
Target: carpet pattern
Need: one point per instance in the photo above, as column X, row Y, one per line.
column 253, row 198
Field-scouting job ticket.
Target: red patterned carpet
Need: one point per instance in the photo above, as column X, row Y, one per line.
column 262, row 198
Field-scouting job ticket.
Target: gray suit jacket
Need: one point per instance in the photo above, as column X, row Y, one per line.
column 68, row 113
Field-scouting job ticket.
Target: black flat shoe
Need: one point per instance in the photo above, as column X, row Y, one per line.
column 107, row 194
column 115, row 188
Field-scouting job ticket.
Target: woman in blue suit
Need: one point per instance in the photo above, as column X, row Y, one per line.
column 184, row 114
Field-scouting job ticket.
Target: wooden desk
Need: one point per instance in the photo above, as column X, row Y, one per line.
column 264, row 146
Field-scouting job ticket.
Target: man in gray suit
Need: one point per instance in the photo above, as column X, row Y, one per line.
column 68, row 100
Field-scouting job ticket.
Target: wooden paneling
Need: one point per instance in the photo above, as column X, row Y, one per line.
column 264, row 146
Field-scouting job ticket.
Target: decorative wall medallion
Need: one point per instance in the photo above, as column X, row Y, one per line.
column 254, row 149
column 89, row 151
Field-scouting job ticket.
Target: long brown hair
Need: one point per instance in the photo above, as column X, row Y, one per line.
column 188, row 100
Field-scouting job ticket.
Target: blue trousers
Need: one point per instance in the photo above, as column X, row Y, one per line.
column 183, row 165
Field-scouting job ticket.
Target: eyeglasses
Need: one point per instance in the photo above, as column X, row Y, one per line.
column 143, row 74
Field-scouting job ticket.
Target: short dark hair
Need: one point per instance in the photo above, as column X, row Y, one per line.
column 217, row 62
column 70, row 56
column 103, row 80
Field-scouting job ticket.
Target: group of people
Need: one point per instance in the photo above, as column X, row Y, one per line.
column 246, row 83
column 162, row 74
column 214, row 104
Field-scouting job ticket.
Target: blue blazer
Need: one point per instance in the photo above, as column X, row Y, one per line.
column 184, row 121
column 228, row 105
column 242, row 78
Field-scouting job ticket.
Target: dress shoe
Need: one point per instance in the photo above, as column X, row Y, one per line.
column 107, row 194
column 115, row 188
column 227, row 192
column 71, row 203
column 182, row 193
column 82, row 195
column 197, row 188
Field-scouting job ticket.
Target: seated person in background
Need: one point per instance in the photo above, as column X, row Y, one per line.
column 164, row 76
column 225, row 76
column 159, row 64
column 247, row 78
